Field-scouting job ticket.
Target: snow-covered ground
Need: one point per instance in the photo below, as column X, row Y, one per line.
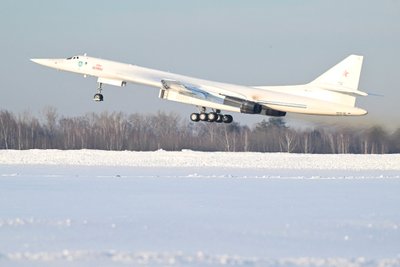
column 101, row 208
column 190, row 158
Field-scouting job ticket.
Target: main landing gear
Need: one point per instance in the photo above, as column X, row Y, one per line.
column 211, row 117
column 98, row 97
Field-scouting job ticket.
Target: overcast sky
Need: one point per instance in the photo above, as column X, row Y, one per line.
column 244, row 42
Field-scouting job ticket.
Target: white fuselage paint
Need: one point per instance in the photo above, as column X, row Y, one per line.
column 305, row 99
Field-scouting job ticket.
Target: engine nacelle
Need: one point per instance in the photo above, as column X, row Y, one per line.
column 250, row 107
column 245, row 106
column 274, row 113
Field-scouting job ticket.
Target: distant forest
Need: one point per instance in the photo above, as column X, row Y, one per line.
column 168, row 131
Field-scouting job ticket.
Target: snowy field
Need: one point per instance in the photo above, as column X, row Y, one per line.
column 99, row 208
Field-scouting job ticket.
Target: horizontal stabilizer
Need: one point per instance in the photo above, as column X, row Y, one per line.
column 342, row 89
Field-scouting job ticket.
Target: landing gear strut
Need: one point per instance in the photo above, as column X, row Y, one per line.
column 214, row 116
column 98, row 97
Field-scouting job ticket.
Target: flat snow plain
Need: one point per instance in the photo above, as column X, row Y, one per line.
column 102, row 208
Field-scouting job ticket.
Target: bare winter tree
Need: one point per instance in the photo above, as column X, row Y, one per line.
column 394, row 142
column 118, row 131
column 288, row 140
column 7, row 124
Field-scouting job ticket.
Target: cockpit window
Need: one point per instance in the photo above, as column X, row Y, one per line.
column 75, row 57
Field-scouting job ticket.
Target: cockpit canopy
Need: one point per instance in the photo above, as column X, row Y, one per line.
column 74, row 57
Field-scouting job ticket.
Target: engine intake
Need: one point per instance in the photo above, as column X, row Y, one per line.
column 250, row 107
column 245, row 106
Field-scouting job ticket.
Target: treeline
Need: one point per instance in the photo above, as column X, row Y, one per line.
column 139, row 132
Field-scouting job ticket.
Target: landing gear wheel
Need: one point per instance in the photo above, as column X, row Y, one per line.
column 203, row 117
column 219, row 118
column 98, row 97
column 212, row 116
column 227, row 118
column 195, row 117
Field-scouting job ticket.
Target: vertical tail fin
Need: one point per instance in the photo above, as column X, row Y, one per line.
column 343, row 77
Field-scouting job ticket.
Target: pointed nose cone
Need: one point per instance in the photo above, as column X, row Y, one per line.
column 45, row 62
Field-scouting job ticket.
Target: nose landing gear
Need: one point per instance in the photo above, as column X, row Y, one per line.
column 98, row 97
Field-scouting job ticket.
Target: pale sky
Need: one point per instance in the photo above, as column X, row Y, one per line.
column 243, row 42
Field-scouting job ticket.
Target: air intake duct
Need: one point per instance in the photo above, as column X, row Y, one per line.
column 245, row 106
column 250, row 107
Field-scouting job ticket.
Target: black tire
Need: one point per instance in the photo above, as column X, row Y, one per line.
column 219, row 118
column 195, row 117
column 227, row 118
column 203, row 117
column 98, row 97
column 212, row 116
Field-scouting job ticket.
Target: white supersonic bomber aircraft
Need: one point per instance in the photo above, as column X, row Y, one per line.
column 333, row 93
